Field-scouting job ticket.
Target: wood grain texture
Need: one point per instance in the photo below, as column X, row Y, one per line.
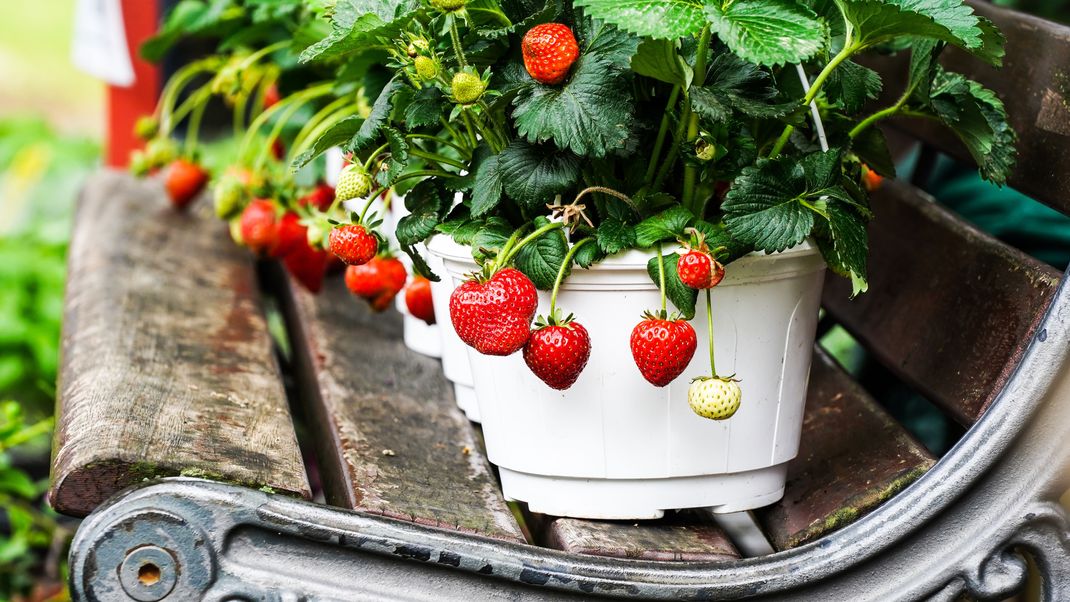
column 167, row 365
column 950, row 310
column 1034, row 85
column 391, row 438
column 680, row 536
column 853, row 456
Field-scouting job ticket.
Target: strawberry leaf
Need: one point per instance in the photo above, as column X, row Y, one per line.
column 768, row 32
column 681, row 295
column 614, row 236
column 488, row 189
column 490, row 239
column 588, row 255
column 427, row 203
column 590, row 114
column 844, row 244
column 338, row 134
column 951, row 21
column 664, row 19
column 852, row 85
column 426, row 107
column 541, row 259
column 358, row 24
column 533, row 175
column 976, row 115
column 667, row 225
column 419, row 264
column 661, row 60
column 771, row 205
column 377, row 118
column 735, row 84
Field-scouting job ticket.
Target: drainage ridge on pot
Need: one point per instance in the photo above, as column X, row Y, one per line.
column 615, row 446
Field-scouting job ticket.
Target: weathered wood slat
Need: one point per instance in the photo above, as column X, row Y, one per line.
column 684, row 536
column 950, row 310
column 853, row 456
column 167, row 365
column 1035, row 89
column 392, row 440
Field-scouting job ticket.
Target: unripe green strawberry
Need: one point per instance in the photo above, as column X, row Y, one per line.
column 353, row 183
column 161, row 151
column 467, row 87
column 426, row 68
column 139, row 163
column 448, row 5
column 714, row 398
column 146, row 127
column 229, row 193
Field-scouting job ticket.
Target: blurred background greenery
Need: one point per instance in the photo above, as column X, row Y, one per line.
column 51, row 119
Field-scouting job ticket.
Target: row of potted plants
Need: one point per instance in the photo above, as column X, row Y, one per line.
column 658, row 177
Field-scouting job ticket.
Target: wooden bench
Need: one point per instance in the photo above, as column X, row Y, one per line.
column 170, row 383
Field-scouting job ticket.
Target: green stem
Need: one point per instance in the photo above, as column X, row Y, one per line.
column 845, row 53
column 661, row 281
column 527, row 239
column 371, row 199
column 256, row 56
column 262, row 118
column 663, row 131
column 321, row 115
column 170, row 92
column 468, row 126
column 321, row 128
column 691, row 171
column 456, row 37
column 375, row 154
column 561, row 275
column 456, row 135
column 882, row 114
column 709, row 328
column 507, row 247
column 276, row 131
column 460, row 149
column 436, row 158
column 194, row 128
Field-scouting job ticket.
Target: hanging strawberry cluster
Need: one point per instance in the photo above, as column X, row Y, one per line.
column 666, row 122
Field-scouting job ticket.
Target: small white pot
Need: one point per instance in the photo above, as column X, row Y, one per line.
column 455, row 361
column 421, row 337
column 614, row 446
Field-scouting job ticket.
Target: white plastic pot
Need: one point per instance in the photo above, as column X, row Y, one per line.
column 455, row 361
column 615, row 447
column 421, row 337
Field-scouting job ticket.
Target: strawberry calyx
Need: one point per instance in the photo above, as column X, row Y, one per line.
column 554, row 319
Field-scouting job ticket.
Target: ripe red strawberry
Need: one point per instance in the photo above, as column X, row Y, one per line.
column 549, row 51
column 494, row 317
column 307, row 265
column 259, row 225
column 418, row 299
column 558, row 353
column 290, row 235
column 321, row 197
column 185, row 180
column 698, row 270
column 271, row 96
column 353, row 244
column 378, row 281
column 662, row 349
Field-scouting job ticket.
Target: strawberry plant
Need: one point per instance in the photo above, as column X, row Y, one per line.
column 526, row 128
